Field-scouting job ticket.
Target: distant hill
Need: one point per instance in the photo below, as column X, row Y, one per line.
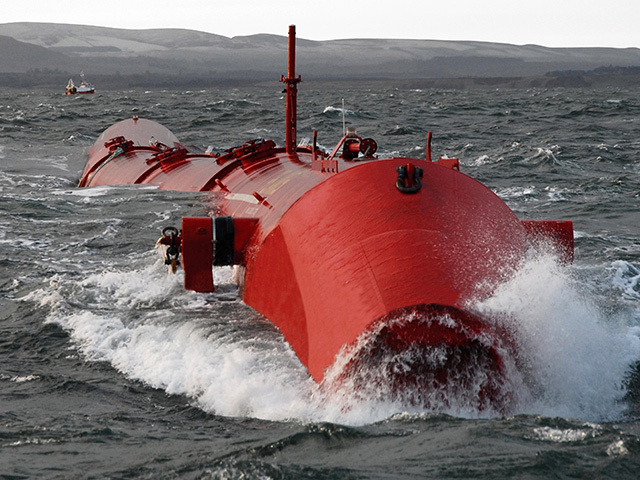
column 21, row 57
column 178, row 56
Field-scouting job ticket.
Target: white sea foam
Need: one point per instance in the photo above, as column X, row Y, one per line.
column 99, row 191
column 564, row 435
column 626, row 277
column 144, row 324
column 577, row 360
column 546, row 153
column 617, row 448
column 185, row 354
column 20, row 378
column 483, row 160
column 528, row 192
column 332, row 109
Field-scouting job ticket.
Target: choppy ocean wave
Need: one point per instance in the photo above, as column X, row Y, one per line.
column 110, row 369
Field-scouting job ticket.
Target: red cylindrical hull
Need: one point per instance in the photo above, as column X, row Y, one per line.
column 336, row 254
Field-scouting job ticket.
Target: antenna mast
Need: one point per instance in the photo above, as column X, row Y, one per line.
column 292, row 93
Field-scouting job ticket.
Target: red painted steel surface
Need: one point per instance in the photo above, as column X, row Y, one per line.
column 197, row 253
column 558, row 235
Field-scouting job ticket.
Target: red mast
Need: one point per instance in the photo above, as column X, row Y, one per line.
column 292, row 92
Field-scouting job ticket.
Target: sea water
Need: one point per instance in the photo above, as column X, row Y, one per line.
column 110, row 369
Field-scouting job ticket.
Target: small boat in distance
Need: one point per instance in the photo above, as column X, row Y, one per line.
column 85, row 87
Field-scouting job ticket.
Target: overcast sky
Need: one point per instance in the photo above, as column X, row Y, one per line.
column 552, row 23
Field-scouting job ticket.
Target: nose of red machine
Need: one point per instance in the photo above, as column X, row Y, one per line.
column 430, row 356
column 356, row 250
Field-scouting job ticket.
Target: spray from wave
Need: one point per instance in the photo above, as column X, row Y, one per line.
column 576, row 359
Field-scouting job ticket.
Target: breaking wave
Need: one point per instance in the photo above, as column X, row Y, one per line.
column 577, row 358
